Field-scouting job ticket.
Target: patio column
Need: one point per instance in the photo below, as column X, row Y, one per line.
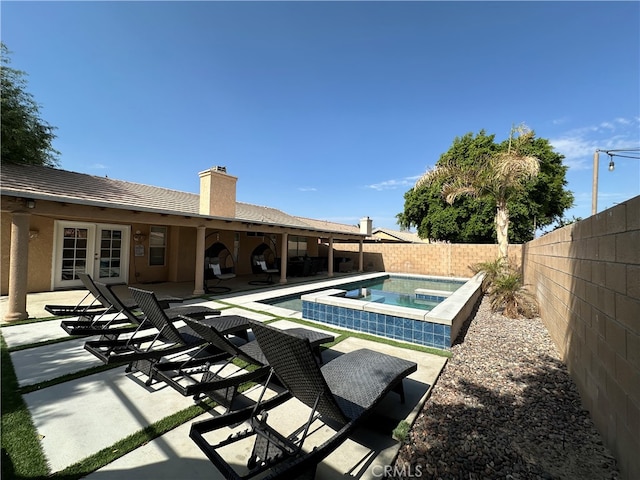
column 330, row 261
column 18, row 267
column 199, row 276
column 284, row 248
column 361, row 256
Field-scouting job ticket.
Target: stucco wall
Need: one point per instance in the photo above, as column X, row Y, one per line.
column 586, row 277
column 40, row 245
column 443, row 259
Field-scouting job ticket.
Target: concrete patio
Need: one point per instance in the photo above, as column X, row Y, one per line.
column 78, row 418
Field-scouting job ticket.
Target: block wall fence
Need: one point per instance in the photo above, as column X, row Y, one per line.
column 586, row 277
column 441, row 259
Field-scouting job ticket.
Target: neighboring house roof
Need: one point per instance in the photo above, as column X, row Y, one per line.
column 333, row 226
column 384, row 234
column 46, row 183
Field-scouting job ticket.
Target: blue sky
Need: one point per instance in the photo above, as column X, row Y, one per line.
column 328, row 110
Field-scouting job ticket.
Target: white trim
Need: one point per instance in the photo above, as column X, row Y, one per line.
column 93, row 248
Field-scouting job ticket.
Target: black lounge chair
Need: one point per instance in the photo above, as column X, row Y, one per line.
column 215, row 272
column 180, row 374
column 145, row 347
column 97, row 303
column 341, row 393
column 125, row 315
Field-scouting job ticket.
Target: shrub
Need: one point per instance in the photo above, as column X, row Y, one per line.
column 503, row 284
column 492, row 270
column 401, row 432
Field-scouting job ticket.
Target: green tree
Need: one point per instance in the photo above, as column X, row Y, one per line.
column 26, row 138
column 530, row 204
column 462, row 222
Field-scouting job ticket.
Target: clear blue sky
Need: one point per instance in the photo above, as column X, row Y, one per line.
column 329, row 110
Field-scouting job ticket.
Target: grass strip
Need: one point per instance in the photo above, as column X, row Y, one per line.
column 136, row 440
column 43, row 343
column 22, row 454
column 65, row 378
column 130, row 443
column 27, row 321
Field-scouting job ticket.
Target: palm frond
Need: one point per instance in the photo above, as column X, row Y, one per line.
column 513, row 167
column 453, row 190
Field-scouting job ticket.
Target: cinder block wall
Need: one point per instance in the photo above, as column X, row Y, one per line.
column 586, row 277
column 442, row 259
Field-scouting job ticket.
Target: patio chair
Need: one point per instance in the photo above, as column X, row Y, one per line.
column 97, row 304
column 144, row 347
column 214, row 271
column 340, row 393
column 268, row 280
column 183, row 375
column 125, row 316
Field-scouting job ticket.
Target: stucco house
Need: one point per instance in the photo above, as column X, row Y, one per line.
column 56, row 223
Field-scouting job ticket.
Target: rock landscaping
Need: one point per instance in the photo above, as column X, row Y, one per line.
column 504, row 407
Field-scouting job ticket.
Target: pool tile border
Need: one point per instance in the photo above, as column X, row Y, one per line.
column 437, row 328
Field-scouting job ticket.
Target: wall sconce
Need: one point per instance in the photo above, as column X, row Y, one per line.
column 34, row 234
column 30, row 203
column 139, row 236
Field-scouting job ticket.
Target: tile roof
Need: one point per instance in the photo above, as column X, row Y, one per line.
column 333, row 226
column 54, row 184
column 408, row 237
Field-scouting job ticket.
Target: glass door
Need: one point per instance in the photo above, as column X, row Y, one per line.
column 110, row 254
column 97, row 249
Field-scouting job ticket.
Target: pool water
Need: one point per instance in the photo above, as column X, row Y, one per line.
column 395, row 290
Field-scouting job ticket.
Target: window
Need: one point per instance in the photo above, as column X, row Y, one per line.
column 74, row 252
column 297, row 246
column 110, row 253
column 157, row 246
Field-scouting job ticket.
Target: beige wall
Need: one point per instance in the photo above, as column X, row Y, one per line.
column 586, row 277
column 443, row 259
column 40, row 245
column 181, row 246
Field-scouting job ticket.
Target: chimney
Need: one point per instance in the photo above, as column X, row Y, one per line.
column 217, row 193
column 365, row 226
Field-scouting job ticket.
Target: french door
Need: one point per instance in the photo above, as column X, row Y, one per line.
column 100, row 250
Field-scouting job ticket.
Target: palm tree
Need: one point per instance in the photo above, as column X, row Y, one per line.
column 496, row 178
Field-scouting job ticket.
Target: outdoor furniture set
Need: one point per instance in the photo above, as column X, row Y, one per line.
column 200, row 354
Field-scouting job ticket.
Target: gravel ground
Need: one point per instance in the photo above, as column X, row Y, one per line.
column 504, row 407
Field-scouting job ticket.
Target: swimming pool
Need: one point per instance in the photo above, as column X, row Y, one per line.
column 422, row 292
column 347, row 306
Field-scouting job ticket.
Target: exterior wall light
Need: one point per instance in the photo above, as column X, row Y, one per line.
column 139, row 236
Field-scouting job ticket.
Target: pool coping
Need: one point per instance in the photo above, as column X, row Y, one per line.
column 452, row 312
column 445, row 312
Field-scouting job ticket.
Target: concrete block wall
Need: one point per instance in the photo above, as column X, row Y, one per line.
column 586, row 277
column 442, row 259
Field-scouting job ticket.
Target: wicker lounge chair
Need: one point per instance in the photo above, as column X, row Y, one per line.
column 196, row 376
column 125, row 316
column 214, row 271
column 96, row 305
column 341, row 393
column 145, row 347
